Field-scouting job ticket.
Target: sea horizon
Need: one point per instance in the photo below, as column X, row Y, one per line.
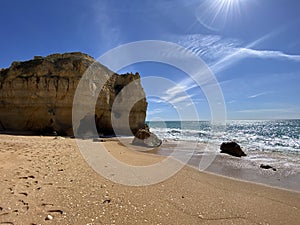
column 207, row 120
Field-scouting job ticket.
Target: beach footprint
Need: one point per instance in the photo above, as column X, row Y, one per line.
column 53, row 213
column 23, row 193
column 57, row 211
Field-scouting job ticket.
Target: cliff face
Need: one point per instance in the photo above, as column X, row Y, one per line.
column 37, row 95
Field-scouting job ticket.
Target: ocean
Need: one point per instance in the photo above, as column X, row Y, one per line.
column 272, row 142
column 255, row 135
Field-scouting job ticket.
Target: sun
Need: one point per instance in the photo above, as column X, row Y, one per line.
column 215, row 14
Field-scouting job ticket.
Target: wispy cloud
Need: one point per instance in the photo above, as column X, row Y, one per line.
column 175, row 96
column 220, row 53
column 289, row 110
column 181, row 99
column 215, row 50
column 210, row 47
column 179, row 89
column 155, row 99
column 259, row 94
column 246, row 52
column 231, row 102
column 155, row 112
column 279, row 112
column 263, row 110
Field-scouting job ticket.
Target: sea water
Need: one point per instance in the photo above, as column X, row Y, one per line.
column 272, row 142
column 255, row 135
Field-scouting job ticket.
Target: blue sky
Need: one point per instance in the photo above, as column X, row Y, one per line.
column 251, row 46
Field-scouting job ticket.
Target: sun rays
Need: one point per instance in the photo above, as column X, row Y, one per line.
column 215, row 14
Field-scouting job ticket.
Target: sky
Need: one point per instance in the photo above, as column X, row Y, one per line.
column 252, row 47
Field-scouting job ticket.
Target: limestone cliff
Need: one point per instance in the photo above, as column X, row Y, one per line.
column 37, row 95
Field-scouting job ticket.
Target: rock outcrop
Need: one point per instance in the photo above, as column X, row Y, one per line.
column 263, row 166
column 37, row 95
column 232, row 148
column 146, row 138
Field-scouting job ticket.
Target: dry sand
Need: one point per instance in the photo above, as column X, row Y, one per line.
column 46, row 181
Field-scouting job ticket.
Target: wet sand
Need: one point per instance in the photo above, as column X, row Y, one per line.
column 45, row 180
column 240, row 168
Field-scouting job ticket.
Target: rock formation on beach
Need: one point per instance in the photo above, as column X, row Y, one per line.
column 146, row 138
column 263, row 166
column 232, row 148
column 37, row 95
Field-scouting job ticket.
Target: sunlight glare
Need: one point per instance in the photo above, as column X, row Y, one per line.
column 215, row 14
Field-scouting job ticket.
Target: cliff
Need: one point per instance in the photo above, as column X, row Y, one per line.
column 37, row 95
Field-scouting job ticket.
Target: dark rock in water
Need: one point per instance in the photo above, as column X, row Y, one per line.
column 145, row 138
column 232, row 148
column 267, row 167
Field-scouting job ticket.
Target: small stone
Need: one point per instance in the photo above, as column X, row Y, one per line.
column 49, row 217
column 200, row 216
column 267, row 167
column 59, row 138
column 98, row 140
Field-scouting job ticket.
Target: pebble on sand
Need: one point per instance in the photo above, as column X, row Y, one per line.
column 49, row 217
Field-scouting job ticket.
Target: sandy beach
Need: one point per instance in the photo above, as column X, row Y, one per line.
column 45, row 180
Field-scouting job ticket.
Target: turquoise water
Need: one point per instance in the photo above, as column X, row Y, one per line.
column 254, row 135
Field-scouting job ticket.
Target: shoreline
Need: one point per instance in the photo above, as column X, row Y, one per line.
column 47, row 176
column 243, row 168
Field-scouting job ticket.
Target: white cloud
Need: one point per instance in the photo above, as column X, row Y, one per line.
column 210, row 47
column 155, row 100
column 154, row 112
column 181, row 99
column 173, row 91
column 270, row 110
column 281, row 112
column 231, row 102
column 260, row 110
column 176, row 99
column 220, row 53
column 259, row 94
column 246, row 52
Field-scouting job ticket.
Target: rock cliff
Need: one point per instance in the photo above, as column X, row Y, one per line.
column 37, row 95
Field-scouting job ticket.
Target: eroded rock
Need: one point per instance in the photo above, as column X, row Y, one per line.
column 37, row 95
column 232, row 148
column 146, row 138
